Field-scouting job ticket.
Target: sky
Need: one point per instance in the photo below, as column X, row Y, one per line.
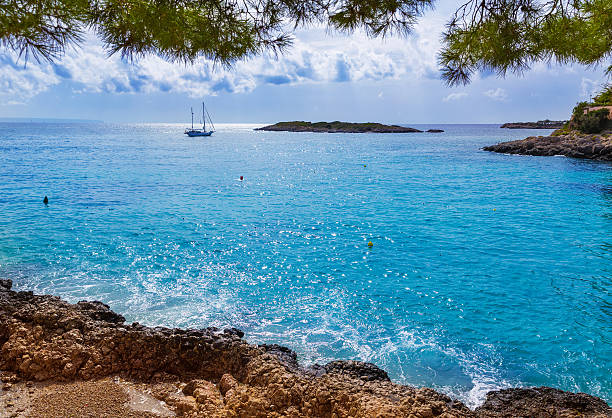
column 323, row 76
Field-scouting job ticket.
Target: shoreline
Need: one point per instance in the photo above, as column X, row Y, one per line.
column 541, row 124
column 217, row 373
column 573, row 144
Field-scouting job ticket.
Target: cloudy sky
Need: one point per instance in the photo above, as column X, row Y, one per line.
column 324, row 76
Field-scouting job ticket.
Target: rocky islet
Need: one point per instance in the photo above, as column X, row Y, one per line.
column 336, row 127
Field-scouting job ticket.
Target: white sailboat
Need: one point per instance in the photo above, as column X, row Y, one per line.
column 200, row 132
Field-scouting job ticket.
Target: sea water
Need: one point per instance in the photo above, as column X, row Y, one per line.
column 486, row 270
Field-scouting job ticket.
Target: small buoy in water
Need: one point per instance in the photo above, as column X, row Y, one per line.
column 46, row 200
column 370, row 244
column 494, row 210
column 365, row 165
column 241, row 178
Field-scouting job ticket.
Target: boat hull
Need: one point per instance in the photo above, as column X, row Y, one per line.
column 198, row 133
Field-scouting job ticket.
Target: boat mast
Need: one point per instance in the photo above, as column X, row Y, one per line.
column 192, row 118
column 203, row 118
column 210, row 120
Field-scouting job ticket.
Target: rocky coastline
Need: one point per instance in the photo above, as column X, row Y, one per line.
column 88, row 348
column 336, row 127
column 571, row 144
column 541, row 124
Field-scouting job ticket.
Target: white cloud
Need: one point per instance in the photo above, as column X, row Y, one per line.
column 454, row 96
column 316, row 57
column 589, row 88
column 497, row 94
column 19, row 83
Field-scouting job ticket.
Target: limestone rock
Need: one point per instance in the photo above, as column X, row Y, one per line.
column 542, row 402
column 43, row 337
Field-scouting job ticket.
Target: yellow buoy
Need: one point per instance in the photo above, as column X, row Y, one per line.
column 370, row 244
column 364, row 165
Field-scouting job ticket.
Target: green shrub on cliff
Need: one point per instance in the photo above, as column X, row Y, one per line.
column 594, row 122
column 590, row 123
column 577, row 115
column 579, row 109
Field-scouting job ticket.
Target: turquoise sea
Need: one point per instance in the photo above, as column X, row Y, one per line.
column 486, row 270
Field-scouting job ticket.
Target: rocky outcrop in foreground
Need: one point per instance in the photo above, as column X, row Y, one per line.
column 336, row 127
column 541, row 402
column 43, row 337
column 594, row 147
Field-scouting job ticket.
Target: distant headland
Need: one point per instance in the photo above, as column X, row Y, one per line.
column 541, row 124
column 48, row 120
column 575, row 145
column 336, row 126
column 588, row 134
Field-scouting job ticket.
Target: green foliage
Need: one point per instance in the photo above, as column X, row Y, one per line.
column 183, row 30
column 511, row 35
column 42, row 28
column 178, row 30
column 334, row 125
column 579, row 109
column 591, row 122
column 594, row 122
column 483, row 35
column 565, row 130
column 604, row 98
